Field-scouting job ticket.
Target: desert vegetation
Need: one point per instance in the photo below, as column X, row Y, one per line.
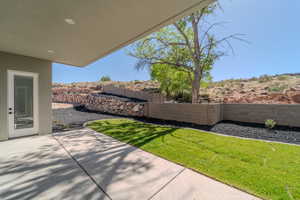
column 105, row 78
column 277, row 89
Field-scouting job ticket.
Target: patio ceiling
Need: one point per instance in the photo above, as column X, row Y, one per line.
column 78, row 32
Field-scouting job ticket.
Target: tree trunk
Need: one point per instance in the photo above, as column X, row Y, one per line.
column 197, row 71
column 196, row 87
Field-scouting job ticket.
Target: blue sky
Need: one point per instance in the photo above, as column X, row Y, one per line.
column 271, row 27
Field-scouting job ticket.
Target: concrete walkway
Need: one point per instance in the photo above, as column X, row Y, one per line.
column 82, row 164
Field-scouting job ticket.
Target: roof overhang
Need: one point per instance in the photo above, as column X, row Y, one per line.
column 80, row 32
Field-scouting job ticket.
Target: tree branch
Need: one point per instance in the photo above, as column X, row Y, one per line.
column 186, row 41
column 196, row 38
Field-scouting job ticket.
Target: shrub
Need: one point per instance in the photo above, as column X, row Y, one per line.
column 283, row 77
column 137, row 82
column 264, row 78
column 173, row 83
column 253, row 79
column 105, row 78
column 270, row 123
column 277, row 88
column 184, row 97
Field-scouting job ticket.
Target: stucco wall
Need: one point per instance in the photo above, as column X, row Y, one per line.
column 203, row 114
column 286, row 115
column 27, row 64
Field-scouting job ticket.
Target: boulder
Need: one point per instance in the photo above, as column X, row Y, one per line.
column 296, row 98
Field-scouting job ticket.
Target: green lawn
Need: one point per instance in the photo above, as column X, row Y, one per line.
column 269, row 170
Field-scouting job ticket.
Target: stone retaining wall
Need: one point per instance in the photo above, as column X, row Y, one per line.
column 103, row 104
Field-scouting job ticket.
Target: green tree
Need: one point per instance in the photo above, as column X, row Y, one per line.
column 189, row 46
column 105, row 78
column 173, row 82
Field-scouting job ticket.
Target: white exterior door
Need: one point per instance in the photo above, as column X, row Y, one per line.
column 22, row 103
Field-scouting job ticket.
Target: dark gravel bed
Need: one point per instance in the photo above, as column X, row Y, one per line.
column 72, row 118
column 256, row 131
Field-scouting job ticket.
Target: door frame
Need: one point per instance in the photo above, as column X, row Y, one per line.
column 12, row 132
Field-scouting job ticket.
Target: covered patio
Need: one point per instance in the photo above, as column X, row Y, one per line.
column 34, row 34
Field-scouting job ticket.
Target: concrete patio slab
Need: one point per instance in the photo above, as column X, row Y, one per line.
column 123, row 171
column 190, row 185
column 84, row 164
column 39, row 168
column 126, row 172
column 83, row 140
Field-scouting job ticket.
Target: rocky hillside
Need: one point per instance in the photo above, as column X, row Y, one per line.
column 150, row 86
column 279, row 89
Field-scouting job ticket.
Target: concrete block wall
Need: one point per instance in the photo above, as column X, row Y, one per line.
column 215, row 113
column 286, row 115
column 113, row 90
column 210, row 114
column 150, row 97
column 203, row 114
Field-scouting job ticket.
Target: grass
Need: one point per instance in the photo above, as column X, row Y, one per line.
column 269, row 170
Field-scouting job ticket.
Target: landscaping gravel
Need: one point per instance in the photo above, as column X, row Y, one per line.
column 71, row 118
column 281, row 134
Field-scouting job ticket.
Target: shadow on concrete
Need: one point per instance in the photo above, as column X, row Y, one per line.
column 43, row 172
column 75, row 165
column 122, row 171
column 134, row 133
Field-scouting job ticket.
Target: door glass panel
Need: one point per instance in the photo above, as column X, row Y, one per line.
column 23, row 108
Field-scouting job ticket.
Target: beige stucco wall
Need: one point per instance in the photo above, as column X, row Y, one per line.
column 27, row 64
